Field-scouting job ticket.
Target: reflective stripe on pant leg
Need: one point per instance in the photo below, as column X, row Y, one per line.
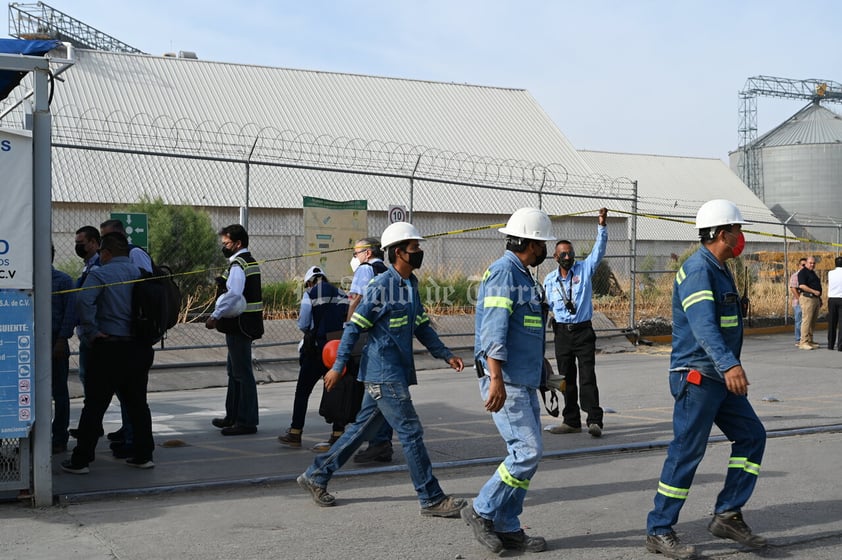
column 509, row 480
column 693, row 414
column 744, row 464
column 672, row 491
column 740, row 424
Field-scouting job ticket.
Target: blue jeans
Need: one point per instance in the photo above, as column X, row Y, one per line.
column 61, row 399
column 385, row 433
column 384, row 402
column 519, row 423
column 697, row 408
column 797, row 321
column 241, row 398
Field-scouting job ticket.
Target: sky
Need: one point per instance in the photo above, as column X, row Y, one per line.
column 636, row 76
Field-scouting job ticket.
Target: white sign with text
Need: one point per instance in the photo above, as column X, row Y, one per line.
column 16, row 213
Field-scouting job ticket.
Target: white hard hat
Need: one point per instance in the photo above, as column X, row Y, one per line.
column 313, row 271
column 398, row 232
column 718, row 212
column 529, row 223
column 237, row 309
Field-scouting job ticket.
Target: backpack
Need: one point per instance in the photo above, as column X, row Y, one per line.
column 156, row 304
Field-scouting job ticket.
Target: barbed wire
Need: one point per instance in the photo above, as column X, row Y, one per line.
column 250, row 142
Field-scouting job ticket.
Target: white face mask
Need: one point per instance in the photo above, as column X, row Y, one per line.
column 355, row 264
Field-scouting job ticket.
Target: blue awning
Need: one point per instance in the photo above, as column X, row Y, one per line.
column 10, row 79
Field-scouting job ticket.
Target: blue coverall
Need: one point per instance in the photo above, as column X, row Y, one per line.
column 510, row 328
column 707, row 338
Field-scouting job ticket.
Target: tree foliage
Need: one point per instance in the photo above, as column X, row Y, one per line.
column 182, row 238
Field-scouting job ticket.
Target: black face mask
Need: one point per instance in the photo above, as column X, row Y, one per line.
column 415, row 259
column 540, row 257
column 228, row 253
column 81, row 252
column 566, row 260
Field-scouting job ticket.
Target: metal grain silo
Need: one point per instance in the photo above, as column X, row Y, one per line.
column 800, row 166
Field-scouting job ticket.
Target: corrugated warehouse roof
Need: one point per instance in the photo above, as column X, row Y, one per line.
column 813, row 124
column 675, row 187
column 468, row 133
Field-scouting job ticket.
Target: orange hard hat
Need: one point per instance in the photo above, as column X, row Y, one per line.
column 329, row 354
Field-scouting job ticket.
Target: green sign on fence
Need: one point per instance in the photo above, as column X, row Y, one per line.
column 137, row 229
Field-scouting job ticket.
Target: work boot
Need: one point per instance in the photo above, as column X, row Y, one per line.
column 222, row 422
column 326, row 445
column 381, row 453
column 320, row 495
column 119, row 435
column 292, row 438
column 448, row 507
column 483, row 529
column 670, row 546
column 518, row 540
column 730, row 525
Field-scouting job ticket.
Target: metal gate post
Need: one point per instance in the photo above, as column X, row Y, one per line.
column 42, row 471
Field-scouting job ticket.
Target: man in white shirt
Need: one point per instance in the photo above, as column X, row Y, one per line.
column 834, row 306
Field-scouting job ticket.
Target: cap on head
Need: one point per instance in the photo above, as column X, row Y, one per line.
column 529, row 223
column 398, row 233
column 312, row 272
column 718, row 212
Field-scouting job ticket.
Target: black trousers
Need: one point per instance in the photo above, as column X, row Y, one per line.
column 834, row 317
column 310, row 371
column 116, row 366
column 574, row 348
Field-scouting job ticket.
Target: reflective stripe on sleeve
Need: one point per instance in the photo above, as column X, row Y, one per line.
column 696, row 297
column 361, row 321
column 498, row 301
column 421, row 319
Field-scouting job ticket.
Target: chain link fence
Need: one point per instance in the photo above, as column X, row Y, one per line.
column 261, row 175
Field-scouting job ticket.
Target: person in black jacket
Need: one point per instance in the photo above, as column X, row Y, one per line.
column 320, row 318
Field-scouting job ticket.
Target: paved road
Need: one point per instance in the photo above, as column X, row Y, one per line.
column 217, row 497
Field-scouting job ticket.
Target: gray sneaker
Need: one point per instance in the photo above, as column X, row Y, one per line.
column 595, row 430
column 448, row 507
column 564, row 429
column 730, row 525
column 483, row 529
column 670, row 546
column 320, row 495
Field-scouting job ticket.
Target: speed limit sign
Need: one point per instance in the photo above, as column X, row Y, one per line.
column 397, row 214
